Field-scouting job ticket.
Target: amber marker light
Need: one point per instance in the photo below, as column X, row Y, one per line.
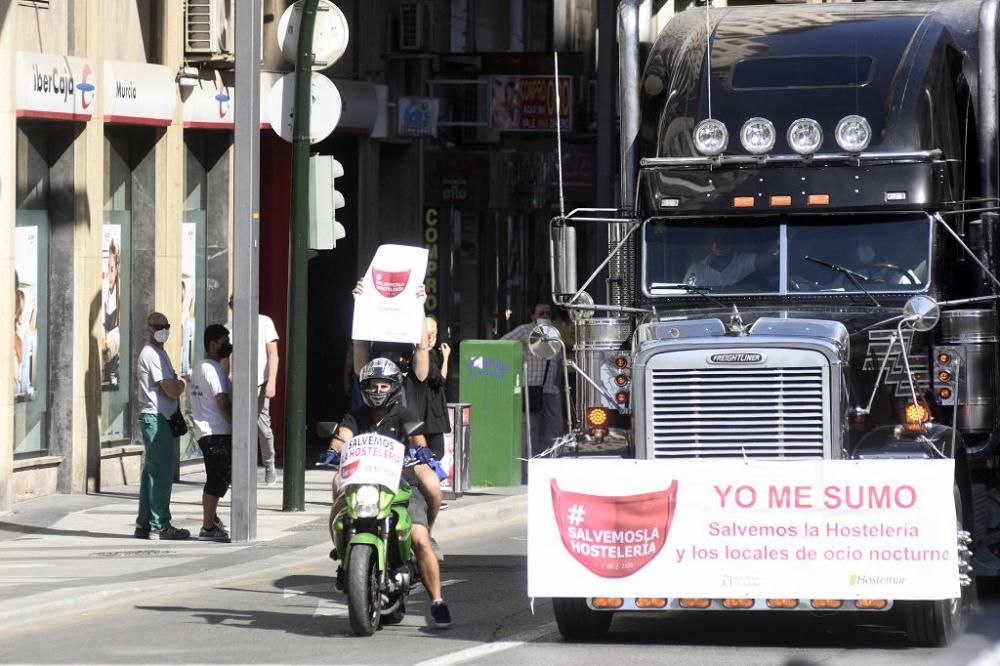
column 782, row 603
column 818, row 200
column 737, row 603
column 944, row 358
column 607, row 602
column 871, row 604
column 827, row 603
column 917, row 414
column 621, row 380
column 650, row 602
column 621, row 397
column 944, row 393
column 597, row 417
column 694, row 603
column 743, row 202
column 944, row 376
column 779, row 200
column 621, row 362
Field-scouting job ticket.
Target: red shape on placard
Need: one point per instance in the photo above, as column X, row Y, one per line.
column 390, row 283
column 349, row 469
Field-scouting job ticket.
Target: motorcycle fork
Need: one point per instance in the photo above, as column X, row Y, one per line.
column 386, row 525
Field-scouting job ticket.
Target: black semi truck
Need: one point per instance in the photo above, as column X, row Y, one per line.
column 809, row 195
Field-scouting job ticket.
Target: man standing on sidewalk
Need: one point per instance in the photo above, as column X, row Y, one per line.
column 267, row 388
column 212, row 412
column 159, row 387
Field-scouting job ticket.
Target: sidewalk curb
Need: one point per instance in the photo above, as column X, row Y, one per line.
column 74, row 606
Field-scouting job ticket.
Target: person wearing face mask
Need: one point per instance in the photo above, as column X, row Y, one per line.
column 211, row 410
column 542, row 380
column 159, row 389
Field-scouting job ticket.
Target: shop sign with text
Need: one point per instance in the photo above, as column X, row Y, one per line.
column 54, row 87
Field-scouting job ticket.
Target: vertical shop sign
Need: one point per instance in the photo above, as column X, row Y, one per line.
column 25, row 311
column 432, row 241
column 111, row 312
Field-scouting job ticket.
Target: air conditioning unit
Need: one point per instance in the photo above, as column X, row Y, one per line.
column 208, row 29
column 415, row 23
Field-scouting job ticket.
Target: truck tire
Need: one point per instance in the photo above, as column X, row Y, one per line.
column 363, row 597
column 936, row 623
column 577, row 622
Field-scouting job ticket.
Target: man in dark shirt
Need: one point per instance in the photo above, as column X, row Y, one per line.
column 381, row 387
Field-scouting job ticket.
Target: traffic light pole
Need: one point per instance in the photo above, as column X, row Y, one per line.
column 293, row 498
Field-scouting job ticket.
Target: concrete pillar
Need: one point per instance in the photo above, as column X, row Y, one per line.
column 8, row 134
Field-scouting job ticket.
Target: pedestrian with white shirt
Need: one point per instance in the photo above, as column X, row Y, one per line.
column 159, row 389
column 212, row 413
column 267, row 388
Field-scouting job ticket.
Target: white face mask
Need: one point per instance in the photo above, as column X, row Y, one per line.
column 542, row 321
column 161, row 335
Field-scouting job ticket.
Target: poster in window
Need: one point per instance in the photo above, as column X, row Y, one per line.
column 111, row 309
column 25, row 311
column 188, row 296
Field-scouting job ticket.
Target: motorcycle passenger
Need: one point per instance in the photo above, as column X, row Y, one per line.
column 382, row 413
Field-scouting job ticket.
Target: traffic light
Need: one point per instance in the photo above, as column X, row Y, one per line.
column 324, row 200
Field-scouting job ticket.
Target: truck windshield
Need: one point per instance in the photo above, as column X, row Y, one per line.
column 798, row 255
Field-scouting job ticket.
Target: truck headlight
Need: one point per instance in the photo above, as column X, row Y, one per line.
column 805, row 136
column 366, row 501
column 853, row 134
column 757, row 135
column 710, row 137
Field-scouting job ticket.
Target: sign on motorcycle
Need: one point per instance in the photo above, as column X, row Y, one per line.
column 372, row 459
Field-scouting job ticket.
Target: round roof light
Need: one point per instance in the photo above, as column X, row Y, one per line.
column 853, row 133
column 805, row 136
column 710, row 137
column 757, row 135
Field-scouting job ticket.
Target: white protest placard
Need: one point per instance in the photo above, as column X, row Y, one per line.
column 372, row 459
column 874, row 529
column 388, row 308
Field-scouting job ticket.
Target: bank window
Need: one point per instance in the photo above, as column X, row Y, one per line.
column 116, row 277
column 31, row 251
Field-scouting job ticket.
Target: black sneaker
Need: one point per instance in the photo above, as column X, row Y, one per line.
column 440, row 615
column 213, row 533
column 168, row 533
column 141, row 532
column 339, row 584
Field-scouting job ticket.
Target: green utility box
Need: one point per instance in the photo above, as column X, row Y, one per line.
column 492, row 381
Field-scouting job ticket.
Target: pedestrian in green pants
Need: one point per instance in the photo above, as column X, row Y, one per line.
column 160, row 388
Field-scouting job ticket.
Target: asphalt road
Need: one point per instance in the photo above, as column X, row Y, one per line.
column 295, row 617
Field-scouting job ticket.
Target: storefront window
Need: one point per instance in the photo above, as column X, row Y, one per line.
column 193, row 269
column 115, row 290
column 31, row 239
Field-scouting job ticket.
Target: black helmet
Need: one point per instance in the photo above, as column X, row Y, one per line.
column 381, row 369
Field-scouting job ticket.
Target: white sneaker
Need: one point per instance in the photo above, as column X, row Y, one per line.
column 270, row 475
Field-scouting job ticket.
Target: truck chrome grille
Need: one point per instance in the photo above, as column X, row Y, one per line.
column 730, row 412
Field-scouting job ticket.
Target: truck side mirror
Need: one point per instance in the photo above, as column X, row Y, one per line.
column 563, row 248
column 922, row 313
column 545, row 342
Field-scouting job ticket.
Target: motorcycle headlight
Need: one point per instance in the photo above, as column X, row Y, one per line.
column 710, row 137
column 366, row 502
column 853, row 134
column 757, row 135
column 805, row 136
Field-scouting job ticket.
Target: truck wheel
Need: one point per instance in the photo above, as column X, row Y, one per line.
column 577, row 622
column 362, row 590
column 936, row 623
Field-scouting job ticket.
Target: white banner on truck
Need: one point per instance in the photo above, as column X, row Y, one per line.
column 881, row 529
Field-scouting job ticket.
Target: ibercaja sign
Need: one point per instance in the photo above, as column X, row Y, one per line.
column 731, row 528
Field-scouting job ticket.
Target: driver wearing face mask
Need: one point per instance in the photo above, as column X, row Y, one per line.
column 212, row 413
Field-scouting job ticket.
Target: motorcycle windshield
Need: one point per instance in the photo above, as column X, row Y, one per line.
column 372, row 459
column 805, row 254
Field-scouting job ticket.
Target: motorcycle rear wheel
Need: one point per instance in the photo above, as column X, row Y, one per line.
column 363, row 597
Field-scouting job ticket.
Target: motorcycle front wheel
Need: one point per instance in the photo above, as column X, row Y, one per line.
column 363, row 598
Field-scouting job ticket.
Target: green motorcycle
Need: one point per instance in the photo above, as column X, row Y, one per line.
column 373, row 532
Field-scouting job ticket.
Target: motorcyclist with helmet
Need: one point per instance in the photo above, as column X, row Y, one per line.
column 382, row 413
